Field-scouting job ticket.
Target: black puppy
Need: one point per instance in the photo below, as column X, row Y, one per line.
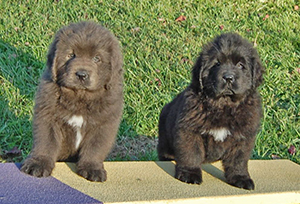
column 218, row 115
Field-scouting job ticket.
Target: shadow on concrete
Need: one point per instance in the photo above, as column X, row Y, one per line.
column 72, row 166
column 214, row 171
column 169, row 168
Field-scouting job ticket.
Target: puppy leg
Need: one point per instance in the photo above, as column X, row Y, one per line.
column 164, row 155
column 189, row 151
column 165, row 152
column 42, row 159
column 164, row 148
column 92, row 171
column 236, row 168
column 93, row 152
column 38, row 166
column 188, row 175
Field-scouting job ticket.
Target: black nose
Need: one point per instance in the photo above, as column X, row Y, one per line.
column 82, row 74
column 228, row 78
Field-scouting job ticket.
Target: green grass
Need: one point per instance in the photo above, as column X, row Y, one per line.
column 158, row 56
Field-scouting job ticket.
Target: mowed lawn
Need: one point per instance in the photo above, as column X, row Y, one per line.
column 160, row 42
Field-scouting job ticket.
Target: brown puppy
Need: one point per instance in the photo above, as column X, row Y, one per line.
column 79, row 102
column 218, row 115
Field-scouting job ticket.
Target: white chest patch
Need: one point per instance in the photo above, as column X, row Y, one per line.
column 77, row 122
column 219, row 134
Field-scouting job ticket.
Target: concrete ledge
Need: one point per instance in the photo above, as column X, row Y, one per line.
column 277, row 181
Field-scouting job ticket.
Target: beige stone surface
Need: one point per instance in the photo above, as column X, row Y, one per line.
column 276, row 181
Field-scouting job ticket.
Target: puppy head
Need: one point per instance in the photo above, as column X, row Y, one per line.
column 84, row 56
column 227, row 67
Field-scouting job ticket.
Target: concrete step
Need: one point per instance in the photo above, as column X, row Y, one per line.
column 276, row 181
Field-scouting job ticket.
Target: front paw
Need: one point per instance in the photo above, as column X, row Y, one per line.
column 38, row 166
column 188, row 175
column 91, row 174
column 242, row 182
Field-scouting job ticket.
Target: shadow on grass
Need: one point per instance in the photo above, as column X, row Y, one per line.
column 19, row 73
column 133, row 147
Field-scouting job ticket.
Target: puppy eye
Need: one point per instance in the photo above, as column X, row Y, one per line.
column 71, row 55
column 96, row 59
column 240, row 65
column 218, row 63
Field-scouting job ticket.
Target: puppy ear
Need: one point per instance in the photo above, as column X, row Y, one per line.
column 197, row 75
column 257, row 71
column 51, row 60
column 116, row 61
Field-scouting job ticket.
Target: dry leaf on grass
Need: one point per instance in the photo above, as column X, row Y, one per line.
column 292, row 150
column 181, row 18
column 274, row 156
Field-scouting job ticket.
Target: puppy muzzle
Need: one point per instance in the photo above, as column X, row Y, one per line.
column 82, row 75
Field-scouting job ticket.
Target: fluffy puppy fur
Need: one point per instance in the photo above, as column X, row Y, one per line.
column 218, row 115
column 79, row 102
